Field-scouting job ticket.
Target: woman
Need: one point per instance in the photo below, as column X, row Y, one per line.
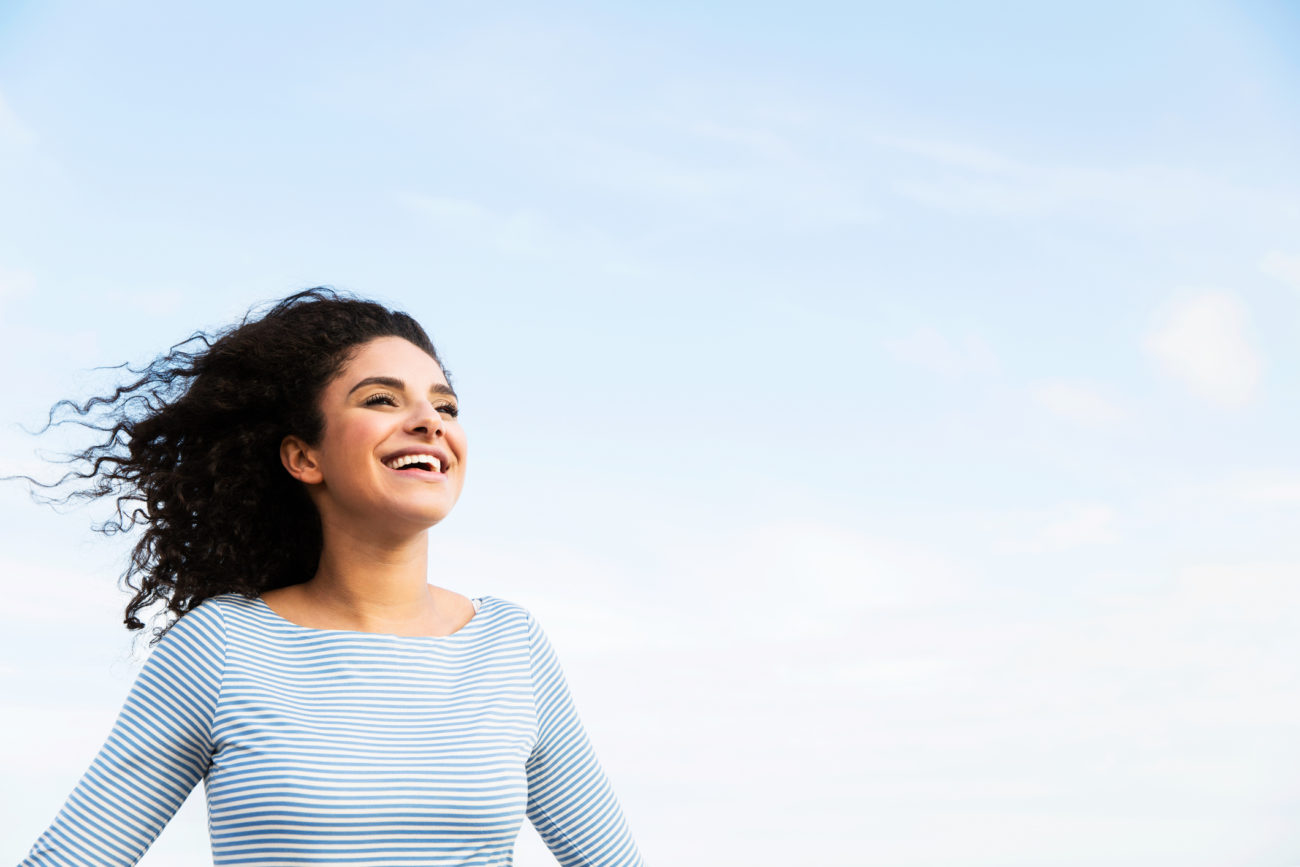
column 338, row 706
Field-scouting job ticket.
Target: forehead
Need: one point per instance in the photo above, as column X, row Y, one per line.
column 390, row 356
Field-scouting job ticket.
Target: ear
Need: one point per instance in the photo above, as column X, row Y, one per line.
column 300, row 460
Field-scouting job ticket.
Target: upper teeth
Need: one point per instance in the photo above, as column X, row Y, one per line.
column 431, row 460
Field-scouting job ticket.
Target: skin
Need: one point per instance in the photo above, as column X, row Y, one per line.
column 373, row 573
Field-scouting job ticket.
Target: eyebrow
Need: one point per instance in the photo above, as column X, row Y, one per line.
column 393, row 382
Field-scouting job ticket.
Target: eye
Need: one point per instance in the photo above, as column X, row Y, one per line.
column 450, row 409
column 375, row 399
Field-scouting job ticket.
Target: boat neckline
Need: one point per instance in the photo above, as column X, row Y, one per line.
column 475, row 600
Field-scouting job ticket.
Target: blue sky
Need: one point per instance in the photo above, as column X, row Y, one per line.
column 889, row 409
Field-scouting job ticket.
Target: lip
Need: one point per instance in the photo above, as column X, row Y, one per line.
column 444, row 460
column 419, row 475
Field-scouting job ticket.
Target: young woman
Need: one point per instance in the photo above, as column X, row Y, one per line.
column 338, row 707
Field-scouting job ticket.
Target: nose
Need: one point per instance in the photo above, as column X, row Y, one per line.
column 425, row 419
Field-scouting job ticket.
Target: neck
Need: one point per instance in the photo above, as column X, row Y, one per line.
column 371, row 582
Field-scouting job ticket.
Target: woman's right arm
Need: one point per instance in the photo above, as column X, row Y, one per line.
column 158, row 750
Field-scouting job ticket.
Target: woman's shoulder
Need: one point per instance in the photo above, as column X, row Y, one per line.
column 202, row 627
column 520, row 618
column 504, row 615
column 498, row 607
column 218, row 612
column 222, row 604
column 502, row 606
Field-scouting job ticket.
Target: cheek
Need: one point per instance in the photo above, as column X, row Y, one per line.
column 456, row 437
column 354, row 448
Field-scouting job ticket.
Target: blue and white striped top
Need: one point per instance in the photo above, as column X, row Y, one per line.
column 340, row 747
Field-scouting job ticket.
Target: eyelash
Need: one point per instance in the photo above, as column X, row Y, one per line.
column 373, row 400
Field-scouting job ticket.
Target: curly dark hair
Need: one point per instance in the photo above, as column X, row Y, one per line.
column 194, row 443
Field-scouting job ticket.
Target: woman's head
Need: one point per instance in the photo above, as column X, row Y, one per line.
column 390, row 460
column 196, row 445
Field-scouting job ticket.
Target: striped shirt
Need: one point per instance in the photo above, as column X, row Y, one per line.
column 341, row 747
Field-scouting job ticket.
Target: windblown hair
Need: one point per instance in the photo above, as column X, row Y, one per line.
column 192, row 450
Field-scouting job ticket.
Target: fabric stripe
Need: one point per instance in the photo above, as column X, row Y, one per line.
column 337, row 747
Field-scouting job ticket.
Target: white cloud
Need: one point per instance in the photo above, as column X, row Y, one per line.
column 1083, row 525
column 1246, row 594
column 782, row 580
column 929, row 348
column 74, row 598
column 799, row 578
column 966, row 180
column 1061, row 528
column 1078, row 401
column 1203, row 342
column 1280, row 488
column 15, row 284
column 1283, row 266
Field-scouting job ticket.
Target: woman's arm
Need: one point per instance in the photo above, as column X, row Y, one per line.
column 570, row 801
column 159, row 748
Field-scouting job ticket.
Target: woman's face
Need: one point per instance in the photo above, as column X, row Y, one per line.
column 392, row 454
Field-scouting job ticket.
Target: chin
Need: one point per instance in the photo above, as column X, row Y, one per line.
column 426, row 519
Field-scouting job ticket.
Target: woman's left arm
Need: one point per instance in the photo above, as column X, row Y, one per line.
column 157, row 751
column 570, row 801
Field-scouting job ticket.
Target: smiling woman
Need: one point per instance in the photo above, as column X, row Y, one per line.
column 337, row 706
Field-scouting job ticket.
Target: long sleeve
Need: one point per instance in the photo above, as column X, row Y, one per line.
column 570, row 801
column 158, row 750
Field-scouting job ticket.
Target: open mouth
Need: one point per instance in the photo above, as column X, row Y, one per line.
column 415, row 463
